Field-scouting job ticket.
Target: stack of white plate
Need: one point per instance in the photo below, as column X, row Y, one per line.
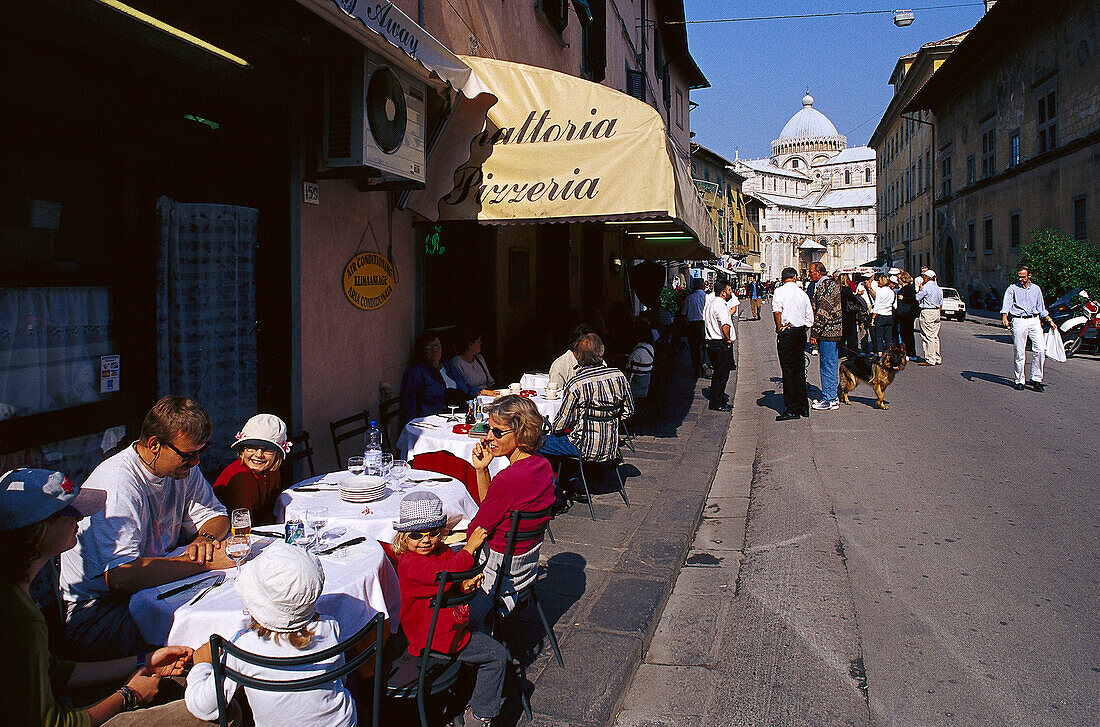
column 362, row 488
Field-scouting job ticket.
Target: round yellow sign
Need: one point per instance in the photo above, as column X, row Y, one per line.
column 368, row 280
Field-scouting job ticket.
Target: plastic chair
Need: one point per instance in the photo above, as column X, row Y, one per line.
column 436, row 672
column 220, row 647
column 526, row 594
column 451, row 465
column 300, row 449
column 362, row 417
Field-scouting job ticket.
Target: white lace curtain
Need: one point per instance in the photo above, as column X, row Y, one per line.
column 206, row 313
column 50, row 343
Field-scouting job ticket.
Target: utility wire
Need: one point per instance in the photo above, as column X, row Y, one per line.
column 815, row 15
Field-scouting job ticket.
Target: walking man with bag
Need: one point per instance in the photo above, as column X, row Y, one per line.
column 1023, row 304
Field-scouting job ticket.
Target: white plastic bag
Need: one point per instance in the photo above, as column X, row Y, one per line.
column 1055, row 348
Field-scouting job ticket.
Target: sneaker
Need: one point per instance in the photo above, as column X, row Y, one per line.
column 823, row 405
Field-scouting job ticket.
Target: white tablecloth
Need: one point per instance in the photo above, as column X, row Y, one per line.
column 458, row 506
column 435, row 434
column 534, row 381
column 358, row 584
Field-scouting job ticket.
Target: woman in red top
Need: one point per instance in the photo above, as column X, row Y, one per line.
column 421, row 556
column 526, row 484
column 252, row 481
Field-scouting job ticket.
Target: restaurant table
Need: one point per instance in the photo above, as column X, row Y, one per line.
column 534, row 381
column 359, row 582
column 435, row 434
column 376, row 519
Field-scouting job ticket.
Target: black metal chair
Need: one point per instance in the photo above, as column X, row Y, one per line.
column 220, row 648
column 300, row 449
column 389, row 409
column 362, row 421
column 605, row 413
column 527, row 594
column 436, row 672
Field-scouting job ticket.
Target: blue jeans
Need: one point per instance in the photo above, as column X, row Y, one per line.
column 559, row 446
column 827, row 359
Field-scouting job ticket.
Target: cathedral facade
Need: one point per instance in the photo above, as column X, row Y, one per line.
column 818, row 197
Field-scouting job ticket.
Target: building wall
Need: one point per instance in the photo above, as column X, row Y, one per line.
column 1062, row 56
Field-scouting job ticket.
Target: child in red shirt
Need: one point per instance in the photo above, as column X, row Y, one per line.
column 421, row 556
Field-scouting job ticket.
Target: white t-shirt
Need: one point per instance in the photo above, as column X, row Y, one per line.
column 716, row 315
column 476, row 372
column 791, row 301
column 884, row 301
column 145, row 517
column 329, row 705
column 734, row 302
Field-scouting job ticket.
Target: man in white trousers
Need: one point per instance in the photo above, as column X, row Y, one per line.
column 1023, row 303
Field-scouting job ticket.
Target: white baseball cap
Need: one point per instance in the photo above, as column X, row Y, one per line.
column 263, row 430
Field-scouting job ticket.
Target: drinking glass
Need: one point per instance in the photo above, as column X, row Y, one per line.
column 237, row 548
column 356, row 465
column 399, row 472
column 241, row 522
column 316, row 519
column 387, row 464
column 453, row 417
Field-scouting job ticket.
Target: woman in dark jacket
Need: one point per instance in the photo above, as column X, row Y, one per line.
column 906, row 314
column 852, row 306
column 428, row 385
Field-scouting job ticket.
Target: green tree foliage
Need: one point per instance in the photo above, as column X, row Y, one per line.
column 1059, row 263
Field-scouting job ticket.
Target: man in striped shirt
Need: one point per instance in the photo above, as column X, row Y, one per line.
column 595, row 400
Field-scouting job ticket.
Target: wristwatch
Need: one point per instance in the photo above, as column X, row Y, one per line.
column 209, row 537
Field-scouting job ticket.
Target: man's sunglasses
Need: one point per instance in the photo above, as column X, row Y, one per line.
column 431, row 533
column 188, row 456
column 498, row 432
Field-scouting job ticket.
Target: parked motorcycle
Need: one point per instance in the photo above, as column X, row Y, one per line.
column 1069, row 312
column 1084, row 337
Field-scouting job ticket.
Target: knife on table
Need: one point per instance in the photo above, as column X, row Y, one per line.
column 180, row 589
column 345, row 544
column 266, row 534
column 216, row 582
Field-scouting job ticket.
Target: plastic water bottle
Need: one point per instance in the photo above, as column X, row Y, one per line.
column 372, row 457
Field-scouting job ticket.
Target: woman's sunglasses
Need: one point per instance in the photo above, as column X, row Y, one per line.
column 498, row 432
column 417, row 535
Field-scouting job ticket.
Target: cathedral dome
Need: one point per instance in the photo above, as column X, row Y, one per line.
column 808, row 130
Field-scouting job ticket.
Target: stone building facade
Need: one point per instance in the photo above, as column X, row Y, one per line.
column 721, row 190
column 816, row 196
column 903, row 145
column 1017, row 109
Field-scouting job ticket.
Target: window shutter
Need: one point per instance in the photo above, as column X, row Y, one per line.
column 635, row 83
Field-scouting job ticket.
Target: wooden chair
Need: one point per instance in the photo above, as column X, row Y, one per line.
column 361, row 422
column 220, row 648
column 300, row 449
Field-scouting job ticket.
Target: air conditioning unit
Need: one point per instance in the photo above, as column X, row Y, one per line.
column 374, row 119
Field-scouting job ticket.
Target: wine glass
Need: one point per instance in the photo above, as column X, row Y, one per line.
column 387, row 464
column 356, row 465
column 237, row 548
column 241, row 522
column 316, row 519
column 453, row 417
column 399, row 472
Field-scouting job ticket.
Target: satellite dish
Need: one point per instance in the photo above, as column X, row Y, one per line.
column 386, row 110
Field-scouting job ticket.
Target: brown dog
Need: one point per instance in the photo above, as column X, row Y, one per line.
column 878, row 371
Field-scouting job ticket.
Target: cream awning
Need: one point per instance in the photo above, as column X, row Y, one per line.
column 545, row 146
column 402, row 40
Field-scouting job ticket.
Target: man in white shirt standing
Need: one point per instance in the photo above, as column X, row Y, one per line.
column 793, row 318
column 718, row 328
column 1023, row 302
column 693, row 314
column 157, row 500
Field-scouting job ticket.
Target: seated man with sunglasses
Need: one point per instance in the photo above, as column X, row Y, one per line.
column 157, row 500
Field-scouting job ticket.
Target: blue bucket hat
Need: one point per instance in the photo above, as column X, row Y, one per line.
column 29, row 496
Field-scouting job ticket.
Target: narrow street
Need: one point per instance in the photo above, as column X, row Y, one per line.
column 934, row 564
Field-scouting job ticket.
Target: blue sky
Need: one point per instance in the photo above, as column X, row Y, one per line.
column 760, row 70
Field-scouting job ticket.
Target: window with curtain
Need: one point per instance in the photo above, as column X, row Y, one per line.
column 51, row 340
column 206, row 313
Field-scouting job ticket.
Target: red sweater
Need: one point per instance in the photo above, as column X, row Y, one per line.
column 237, row 486
column 416, row 574
column 526, row 485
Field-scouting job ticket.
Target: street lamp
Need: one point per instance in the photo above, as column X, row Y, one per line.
column 903, row 18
